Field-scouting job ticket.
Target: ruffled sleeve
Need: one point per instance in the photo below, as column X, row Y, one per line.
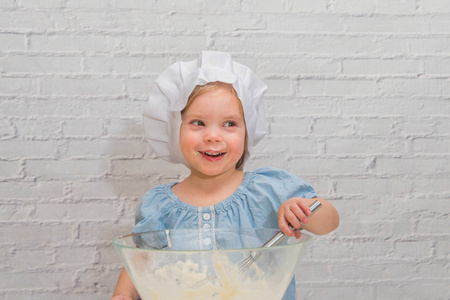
column 154, row 210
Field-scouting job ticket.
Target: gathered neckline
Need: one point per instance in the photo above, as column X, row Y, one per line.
column 222, row 205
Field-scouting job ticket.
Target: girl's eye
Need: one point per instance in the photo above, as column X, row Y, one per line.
column 197, row 123
column 230, row 124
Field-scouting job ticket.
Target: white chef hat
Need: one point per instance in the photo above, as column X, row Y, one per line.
column 162, row 112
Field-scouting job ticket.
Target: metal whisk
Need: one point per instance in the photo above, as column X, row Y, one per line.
column 246, row 262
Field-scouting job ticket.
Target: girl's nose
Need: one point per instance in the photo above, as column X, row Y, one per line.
column 213, row 135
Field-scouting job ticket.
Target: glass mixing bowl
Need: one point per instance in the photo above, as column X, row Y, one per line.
column 207, row 264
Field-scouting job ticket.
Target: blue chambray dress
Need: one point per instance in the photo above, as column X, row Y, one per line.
column 253, row 205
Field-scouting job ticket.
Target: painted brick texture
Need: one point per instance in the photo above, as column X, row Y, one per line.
column 358, row 105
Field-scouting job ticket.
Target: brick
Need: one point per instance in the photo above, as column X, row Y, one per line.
column 139, row 87
column 40, row 65
column 145, row 167
column 270, row 44
column 17, row 85
column 73, row 43
column 150, row 43
column 373, row 145
column 103, row 232
column 413, row 167
column 127, row 65
column 301, row 107
column 351, row 7
column 80, row 86
column 273, row 145
column 299, row 66
column 413, row 249
column 340, row 291
column 76, row 211
column 106, row 148
column 77, row 4
column 217, row 22
column 431, row 185
column 114, row 108
column 416, row 126
column 380, row 186
column 9, row 169
column 435, row 145
column 414, row 86
column 375, row 126
column 15, row 212
column 289, row 126
column 394, row 106
column 65, row 169
column 37, row 234
column 41, row 4
column 32, row 107
column 25, row 258
column 6, row 129
column 387, row 24
column 36, row 280
column 82, row 127
column 12, row 42
column 31, row 190
column 113, row 189
column 124, row 127
column 373, row 67
column 34, row 20
column 36, row 149
column 75, row 255
column 255, row 6
column 364, row 272
column 330, row 87
column 7, row 4
column 439, row 25
column 317, row 6
column 437, row 66
column 278, row 87
column 434, row 270
column 304, row 23
column 323, row 167
column 43, row 128
column 433, row 226
column 133, row 4
column 333, row 127
column 397, row 7
column 412, row 289
column 435, row 6
column 443, row 249
column 316, row 273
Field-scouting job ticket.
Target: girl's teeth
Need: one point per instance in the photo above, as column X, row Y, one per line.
column 213, row 154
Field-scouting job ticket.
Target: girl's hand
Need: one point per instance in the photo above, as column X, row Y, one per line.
column 294, row 211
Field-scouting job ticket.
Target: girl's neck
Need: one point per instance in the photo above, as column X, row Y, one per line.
column 201, row 190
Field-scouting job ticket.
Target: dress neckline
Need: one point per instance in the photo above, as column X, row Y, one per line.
column 222, row 205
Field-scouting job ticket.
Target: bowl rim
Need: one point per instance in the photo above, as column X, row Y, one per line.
column 305, row 236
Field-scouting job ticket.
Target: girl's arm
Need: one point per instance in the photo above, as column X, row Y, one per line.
column 125, row 289
column 294, row 211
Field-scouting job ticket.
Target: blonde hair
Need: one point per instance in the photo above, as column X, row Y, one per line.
column 211, row 86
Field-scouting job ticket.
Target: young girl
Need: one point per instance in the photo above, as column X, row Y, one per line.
column 208, row 114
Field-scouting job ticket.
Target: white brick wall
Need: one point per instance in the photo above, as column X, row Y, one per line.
column 358, row 105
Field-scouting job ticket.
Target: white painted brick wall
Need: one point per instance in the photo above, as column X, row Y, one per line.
column 358, row 105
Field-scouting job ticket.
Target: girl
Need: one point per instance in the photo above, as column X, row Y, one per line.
column 208, row 114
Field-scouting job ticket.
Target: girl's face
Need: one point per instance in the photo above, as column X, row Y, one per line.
column 212, row 133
